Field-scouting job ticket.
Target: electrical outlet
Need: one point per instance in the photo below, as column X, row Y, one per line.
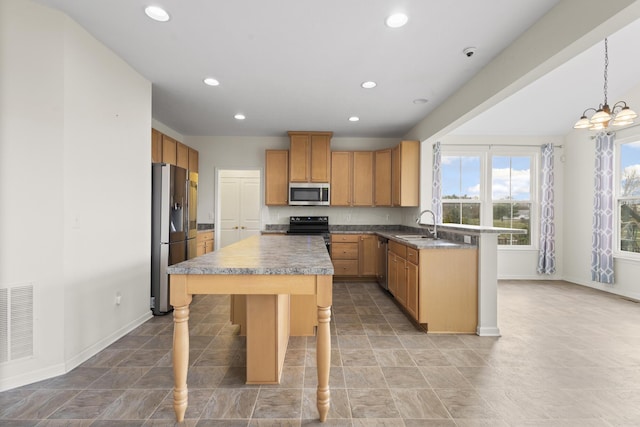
column 118, row 298
column 467, row 239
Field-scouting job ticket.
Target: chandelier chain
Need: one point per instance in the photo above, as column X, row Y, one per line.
column 606, row 66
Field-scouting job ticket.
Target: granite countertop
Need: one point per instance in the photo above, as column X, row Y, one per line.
column 411, row 240
column 264, row 254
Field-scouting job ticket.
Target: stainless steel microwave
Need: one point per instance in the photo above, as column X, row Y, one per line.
column 308, row 194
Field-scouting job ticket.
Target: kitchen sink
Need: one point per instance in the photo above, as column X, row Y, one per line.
column 413, row 236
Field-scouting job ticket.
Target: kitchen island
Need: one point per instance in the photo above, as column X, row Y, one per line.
column 267, row 269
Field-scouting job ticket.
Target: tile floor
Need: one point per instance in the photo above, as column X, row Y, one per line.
column 568, row 356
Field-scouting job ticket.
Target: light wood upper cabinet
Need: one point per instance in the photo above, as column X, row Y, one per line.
column 193, row 160
column 276, row 186
column 405, row 174
column 352, row 178
column 156, row 146
column 341, row 172
column 169, row 150
column 182, row 155
column 362, row 178
column 382, row 184
column 310, row 156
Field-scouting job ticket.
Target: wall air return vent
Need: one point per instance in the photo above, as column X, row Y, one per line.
column 16, row 322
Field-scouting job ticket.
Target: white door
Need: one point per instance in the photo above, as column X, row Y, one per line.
column 239, row 206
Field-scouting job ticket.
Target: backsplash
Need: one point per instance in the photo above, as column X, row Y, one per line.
column 372, row 228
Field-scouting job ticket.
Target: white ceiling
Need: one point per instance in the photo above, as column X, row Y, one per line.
column 298, row 64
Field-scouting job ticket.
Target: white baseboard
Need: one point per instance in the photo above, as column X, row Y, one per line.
column 488, row 331
column 62, row 368
column 602, row 287
column 106, row 342
column 31, row 377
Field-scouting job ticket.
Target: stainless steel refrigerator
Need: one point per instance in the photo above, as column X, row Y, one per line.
column 174, row 203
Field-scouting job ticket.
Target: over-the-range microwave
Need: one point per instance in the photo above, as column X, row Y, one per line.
column 308, row 194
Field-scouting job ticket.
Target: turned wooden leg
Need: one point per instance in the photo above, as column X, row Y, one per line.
column 180, row 360
column 323, row 355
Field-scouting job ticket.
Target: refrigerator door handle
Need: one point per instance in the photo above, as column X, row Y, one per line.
column 165, row 205
column 162, row 300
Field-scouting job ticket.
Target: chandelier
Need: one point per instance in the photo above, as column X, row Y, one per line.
column 619, row 115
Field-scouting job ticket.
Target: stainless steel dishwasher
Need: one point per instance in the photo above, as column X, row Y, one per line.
column 383, row 244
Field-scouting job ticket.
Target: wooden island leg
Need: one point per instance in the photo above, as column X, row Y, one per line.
column 180, row 300
column 323, row 359
column 323, row 344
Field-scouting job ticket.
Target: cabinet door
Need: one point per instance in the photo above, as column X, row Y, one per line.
column 412, row 290
column 382, row 181
column 182, row 155
column 363, row 178
column 156, row 146
column 299, row 154
column 392, row 273
column 320, row 160
column 276, row 186
column 367, row 254
column 193, row 160
column 341, row 178
column 169, row 150
column 409, row 173
column 395, row 176
column 401, row 294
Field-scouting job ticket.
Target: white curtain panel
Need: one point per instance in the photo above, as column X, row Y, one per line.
column 602, row 237
column 547, row 254
column 436, row 198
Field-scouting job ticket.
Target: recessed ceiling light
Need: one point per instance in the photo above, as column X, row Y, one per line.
column 397, row 20
column 354, row 118
column 239, row 117
column 369, row 85
column 157, row 13
column 420, row 101
column 211, row 81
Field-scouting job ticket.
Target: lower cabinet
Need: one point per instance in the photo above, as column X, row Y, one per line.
column 438, row 288
column 354, row 255
column 204, row 242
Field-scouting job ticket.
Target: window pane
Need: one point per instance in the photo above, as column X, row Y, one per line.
column 470, row 213
column 513, row 215
column 629, row 221
column 460, row 177
column 511, row 178
column 630, row 168
column 461, row 213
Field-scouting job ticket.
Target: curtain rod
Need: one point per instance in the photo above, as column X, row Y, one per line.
column 499, row 145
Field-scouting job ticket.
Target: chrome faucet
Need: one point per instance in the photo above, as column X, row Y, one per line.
column 434, row 234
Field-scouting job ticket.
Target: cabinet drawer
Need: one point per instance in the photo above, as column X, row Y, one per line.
column 412, row 255
column 204, row 236
column 336, row 238
column 398, row 248
column 345, row 267
column 344, row 251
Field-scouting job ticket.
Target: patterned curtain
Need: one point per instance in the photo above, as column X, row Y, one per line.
column 547, row 254
column 436, row 200
column 602, row 237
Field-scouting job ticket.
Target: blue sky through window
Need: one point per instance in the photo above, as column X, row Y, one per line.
column 511, row 178
column 630, row 167
column 460, row 177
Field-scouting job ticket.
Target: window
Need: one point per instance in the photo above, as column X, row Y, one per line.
column 461, row 189
column 629, row 197
column 511, row 197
